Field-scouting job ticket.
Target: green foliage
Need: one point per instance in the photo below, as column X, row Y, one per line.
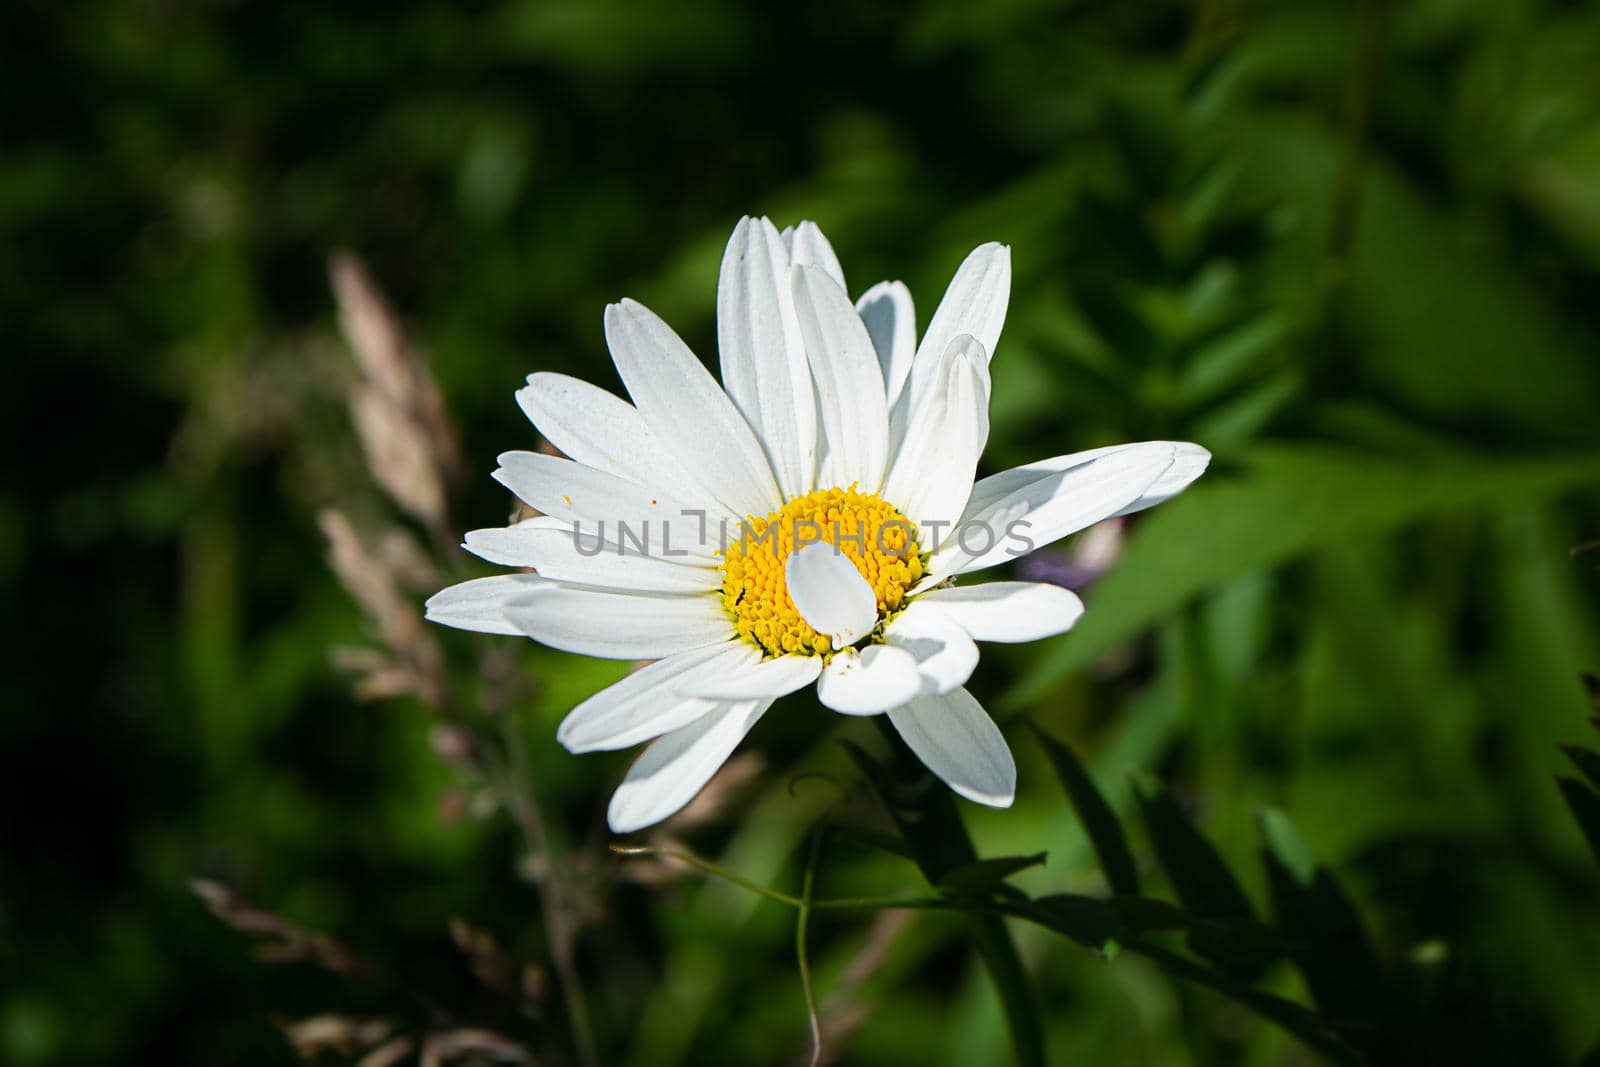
column 1583, row 795
column 1367, row 618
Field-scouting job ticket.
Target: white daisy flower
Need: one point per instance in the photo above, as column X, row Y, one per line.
column 806, row 521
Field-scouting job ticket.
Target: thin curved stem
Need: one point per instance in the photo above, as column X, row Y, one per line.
column 807, row 883
column 700, row 862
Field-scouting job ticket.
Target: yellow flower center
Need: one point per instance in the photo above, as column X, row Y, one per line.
column 872, row 533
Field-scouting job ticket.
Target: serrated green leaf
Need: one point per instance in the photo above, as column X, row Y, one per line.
column 983, row 873
column 1099, row 821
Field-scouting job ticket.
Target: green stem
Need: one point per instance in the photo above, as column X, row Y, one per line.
column 807, row 883
column 889, row 904
column 939, row 842
column 999, row 953
column 557, row 906
column 1289, row 1016
column 685, row 856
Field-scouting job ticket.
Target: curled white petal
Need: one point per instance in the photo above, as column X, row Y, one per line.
column 890, row 318
column 945, row 653
column 808, row 246
column 974, row 304
column 830, row 594
column 931, row 472
column 869, row 682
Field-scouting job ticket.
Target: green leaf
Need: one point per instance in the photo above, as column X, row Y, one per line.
column 921, row 809
column 1242, row 942
column 1585, row 805
column 1203, row 881
column 1198, row 873
column 1243, row 945
column 1303, row 1023
column 1323, row 931
column 1087, row 920
column 1225, row 360
column 1498, row 352
column 1148, row 915
column 1586, row 760
column 1283, row 503
column 982, row 874
column 1099, row 821
column 926, row 816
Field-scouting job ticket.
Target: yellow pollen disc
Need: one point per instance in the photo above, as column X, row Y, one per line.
column 876, row 537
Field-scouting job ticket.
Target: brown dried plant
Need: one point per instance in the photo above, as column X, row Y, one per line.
column 412, row 456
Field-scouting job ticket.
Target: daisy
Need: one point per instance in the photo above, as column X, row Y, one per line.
column 804, row 522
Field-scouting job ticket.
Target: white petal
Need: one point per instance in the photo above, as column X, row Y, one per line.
column 974, row 304
column 675, row 767
column 830, row 594
column 1015, row 512
column 594, row 622
column 754, row 678
column 870, row 682
column 946, row 655
column 688, row 412
column 887, row 312
column 763, row 358
column 643, row 705
column 604, row 505
column 956, row 739
column 1008, row 611
column 855, row 418
column 558, row 549
column 480, row 604
column 1189, row 461
column 930, row 476
column 807, row 245
column 605, row 432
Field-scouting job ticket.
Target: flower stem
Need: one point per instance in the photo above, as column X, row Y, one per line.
column 808, row 883
column 939, row 843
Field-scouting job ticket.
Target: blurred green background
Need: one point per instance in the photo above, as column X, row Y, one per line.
column 1352, row 248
